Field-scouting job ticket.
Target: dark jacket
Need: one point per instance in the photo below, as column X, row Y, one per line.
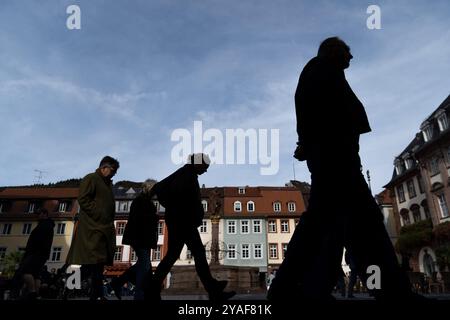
column 41, row 239
column 95, row 236
column 329, row 115
column 141, row 228
column 179, row 193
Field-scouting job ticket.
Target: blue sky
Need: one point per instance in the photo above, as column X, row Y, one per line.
column 137, row 70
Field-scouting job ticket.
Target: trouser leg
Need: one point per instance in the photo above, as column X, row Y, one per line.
column 197, row 249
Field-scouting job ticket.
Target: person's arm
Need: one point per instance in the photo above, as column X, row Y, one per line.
column 86, row 197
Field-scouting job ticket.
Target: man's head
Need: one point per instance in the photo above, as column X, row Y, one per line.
column 200, row 162
column 147, row 185
column 108, row 167
column 336, row 51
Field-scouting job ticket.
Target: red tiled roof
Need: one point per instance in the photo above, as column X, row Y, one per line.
column 38, row 192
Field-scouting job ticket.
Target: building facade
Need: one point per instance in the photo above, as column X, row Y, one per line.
column 420, row 186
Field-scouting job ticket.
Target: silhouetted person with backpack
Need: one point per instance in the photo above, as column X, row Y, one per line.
column 179, row 193
column 341, row 210
column 37, row 252
column 141, row 234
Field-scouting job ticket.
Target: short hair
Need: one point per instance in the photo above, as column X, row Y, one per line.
column 109, row 161
column 147, row 185
column 199, row 158
column 328, row 46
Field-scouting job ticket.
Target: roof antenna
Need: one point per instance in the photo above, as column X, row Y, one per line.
column 39, row 175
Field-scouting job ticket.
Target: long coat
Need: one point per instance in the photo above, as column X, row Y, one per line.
column 95, row 237
column 141, row 229
column 180, row 194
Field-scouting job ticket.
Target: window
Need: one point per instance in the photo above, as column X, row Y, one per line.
column 443, row 205
column 237, row 206
column 400, row 193
column 296, row 221
column 425, row 209
column 203, row 228
column 3, row 206
column 123, row 206
column 245, row 251
column 133, row 255
column 21, row 250
column 272, row 226
column 442, row 122
column 6, row 229
column 427, row 132
column 291, row 206
column 2, row 253
column 256, row 226
column 64, row 206
column 231, row 226
column 55, row 255
column 409, row 163
column 284, row 226
column 284, row 248
column 118, row 253
column 411, row 188
column 231, row 254
column 160, row 227
column 26, row 228
column 188, row 254
column 420, row 183
column 156, row 203
column 405, row 217
column 244, row 226
column 205, row 205
column 273, row 251
column 434, row 166
column 60, row 228
column 257, row 251
column 31, row 207
column 277, row 206
column 241, row 190
column 415, row 209
column 156, row 256
column 250, row 206
column 120, row 228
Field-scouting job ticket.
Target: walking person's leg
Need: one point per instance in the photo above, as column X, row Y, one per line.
column 152, row 286
column 143, row 269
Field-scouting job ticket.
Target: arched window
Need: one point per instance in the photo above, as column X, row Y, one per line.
column 415, row 209
column 426, row 210
column 291, row 206
column 404, row 214
column 237, row 206
column 250, row 206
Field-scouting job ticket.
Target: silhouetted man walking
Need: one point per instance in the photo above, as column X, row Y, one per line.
column 179, row 193
column 341, row 210
column 94, row 242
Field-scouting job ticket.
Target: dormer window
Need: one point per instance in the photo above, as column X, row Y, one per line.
column 400, row 166
column 241, row 190
column 277, row 206
column 237, row 206
column 64, row 206
column 409, row 163
column 427, row 132
column 205, row 205
column 442, row 122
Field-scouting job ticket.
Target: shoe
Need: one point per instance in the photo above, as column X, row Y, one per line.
column 117, row 288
